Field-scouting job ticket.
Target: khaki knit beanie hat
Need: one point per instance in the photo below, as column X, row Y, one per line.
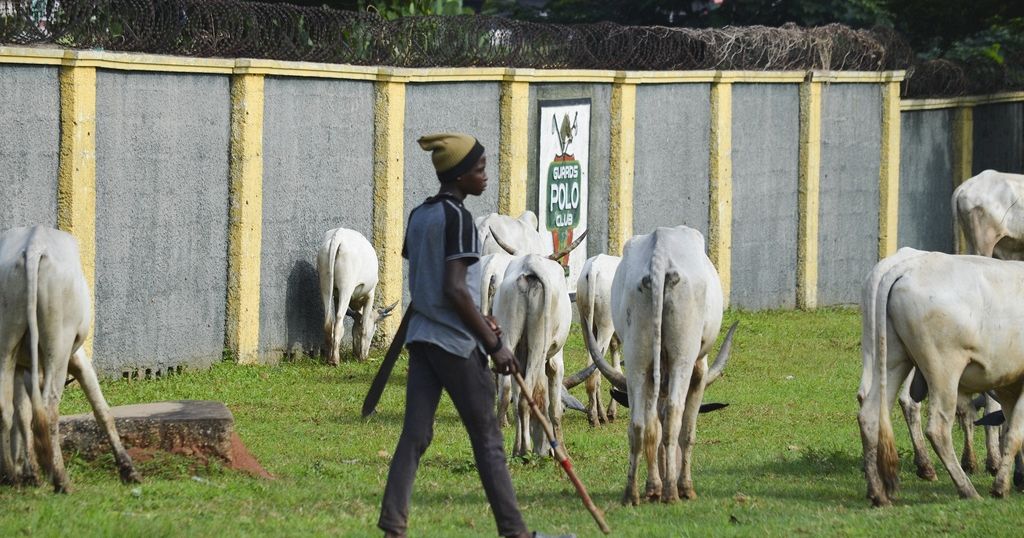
column 453, row 154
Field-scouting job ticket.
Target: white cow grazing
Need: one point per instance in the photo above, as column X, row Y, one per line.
column 667, row 310
column 532, row 307
column 956, row 319
column 518, row 233
column 594, row 303
column 988, row 208
column 45, row 318
column 347, row 265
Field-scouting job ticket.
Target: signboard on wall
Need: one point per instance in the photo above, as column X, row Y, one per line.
column 563, row 172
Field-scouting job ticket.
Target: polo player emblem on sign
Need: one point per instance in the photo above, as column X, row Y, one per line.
column 564, row 177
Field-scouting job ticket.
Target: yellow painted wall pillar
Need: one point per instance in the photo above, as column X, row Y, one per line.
column 621, row 169
column 720, row 186
column 76, row 174
column 245, row 218
column 808, row 198
column 889, row 172
column 389, row 197
column 963, row 159
column 514, row 143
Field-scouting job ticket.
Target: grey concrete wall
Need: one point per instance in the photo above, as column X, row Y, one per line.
column 765, row 178
column 161, row 219
column 29, row 145
column 317, row 175
column 670, row 185
column 600, row 96
column 471, row 108
column 851, row 131
column 999, row 138
column 926, row 180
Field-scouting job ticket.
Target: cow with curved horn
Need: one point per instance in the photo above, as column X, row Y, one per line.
column 347, row 265
column 521, row 233
column 667, row 309
column 532, row 307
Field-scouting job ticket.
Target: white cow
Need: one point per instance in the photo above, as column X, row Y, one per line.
column 44, row 318
column 532, row 307
column 956, row 319
column 667, row 309
column 988, row 208
column 347, row 265
column 594, row 303
column 518, row 233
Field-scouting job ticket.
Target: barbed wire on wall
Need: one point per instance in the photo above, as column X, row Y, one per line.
column 235, row 28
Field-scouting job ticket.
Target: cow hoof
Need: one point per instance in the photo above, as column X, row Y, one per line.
column 970, row 465
column 688, row 494
column 881, row 502
column 130, row 476
column 927, row 473
column 631, row 499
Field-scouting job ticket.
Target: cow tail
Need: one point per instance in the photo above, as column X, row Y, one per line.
column 888, row 458
column 332, row 257
column 40, row 418
column 658, row 268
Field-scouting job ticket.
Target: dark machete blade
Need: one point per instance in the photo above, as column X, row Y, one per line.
column 388, row 364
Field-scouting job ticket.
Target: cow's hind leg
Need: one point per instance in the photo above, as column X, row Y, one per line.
column 7, row 373
column 943, row 396
column 25, row 457
column 964, row 417
column 912, row 413
column 343, row 297
column 614, row 348
column 1011, row 446
column 876, row 431
column 82, row 370
column 994, row 448
column 688, row 436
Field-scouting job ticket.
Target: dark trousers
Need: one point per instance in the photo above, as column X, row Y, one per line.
column 470, row 384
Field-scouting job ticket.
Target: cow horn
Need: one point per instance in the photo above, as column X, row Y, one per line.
column 995, row 418
column 563, row 253
column 623, row 399
column 502, row 244
column 386, row 311
column 579, row 377
column 571, row 402
column 613, row 375
column 718, row 366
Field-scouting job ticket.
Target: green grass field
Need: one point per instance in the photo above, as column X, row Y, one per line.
column 783, row 459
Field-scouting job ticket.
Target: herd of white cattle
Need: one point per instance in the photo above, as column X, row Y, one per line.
column 941, row 326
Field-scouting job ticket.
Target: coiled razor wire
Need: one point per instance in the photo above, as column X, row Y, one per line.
column 234, row 28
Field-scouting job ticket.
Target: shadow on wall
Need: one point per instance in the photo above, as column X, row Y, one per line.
column 304, row 312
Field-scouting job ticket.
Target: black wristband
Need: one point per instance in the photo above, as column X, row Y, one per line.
column 497, row 347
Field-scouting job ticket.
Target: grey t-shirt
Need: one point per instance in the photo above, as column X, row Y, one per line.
column 439, row 230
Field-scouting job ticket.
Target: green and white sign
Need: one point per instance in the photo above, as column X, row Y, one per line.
column 564, row 158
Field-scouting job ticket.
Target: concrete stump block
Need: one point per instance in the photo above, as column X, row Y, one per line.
column 200, row 428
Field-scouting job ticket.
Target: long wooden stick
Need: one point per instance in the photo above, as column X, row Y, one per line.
column 563, row 457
